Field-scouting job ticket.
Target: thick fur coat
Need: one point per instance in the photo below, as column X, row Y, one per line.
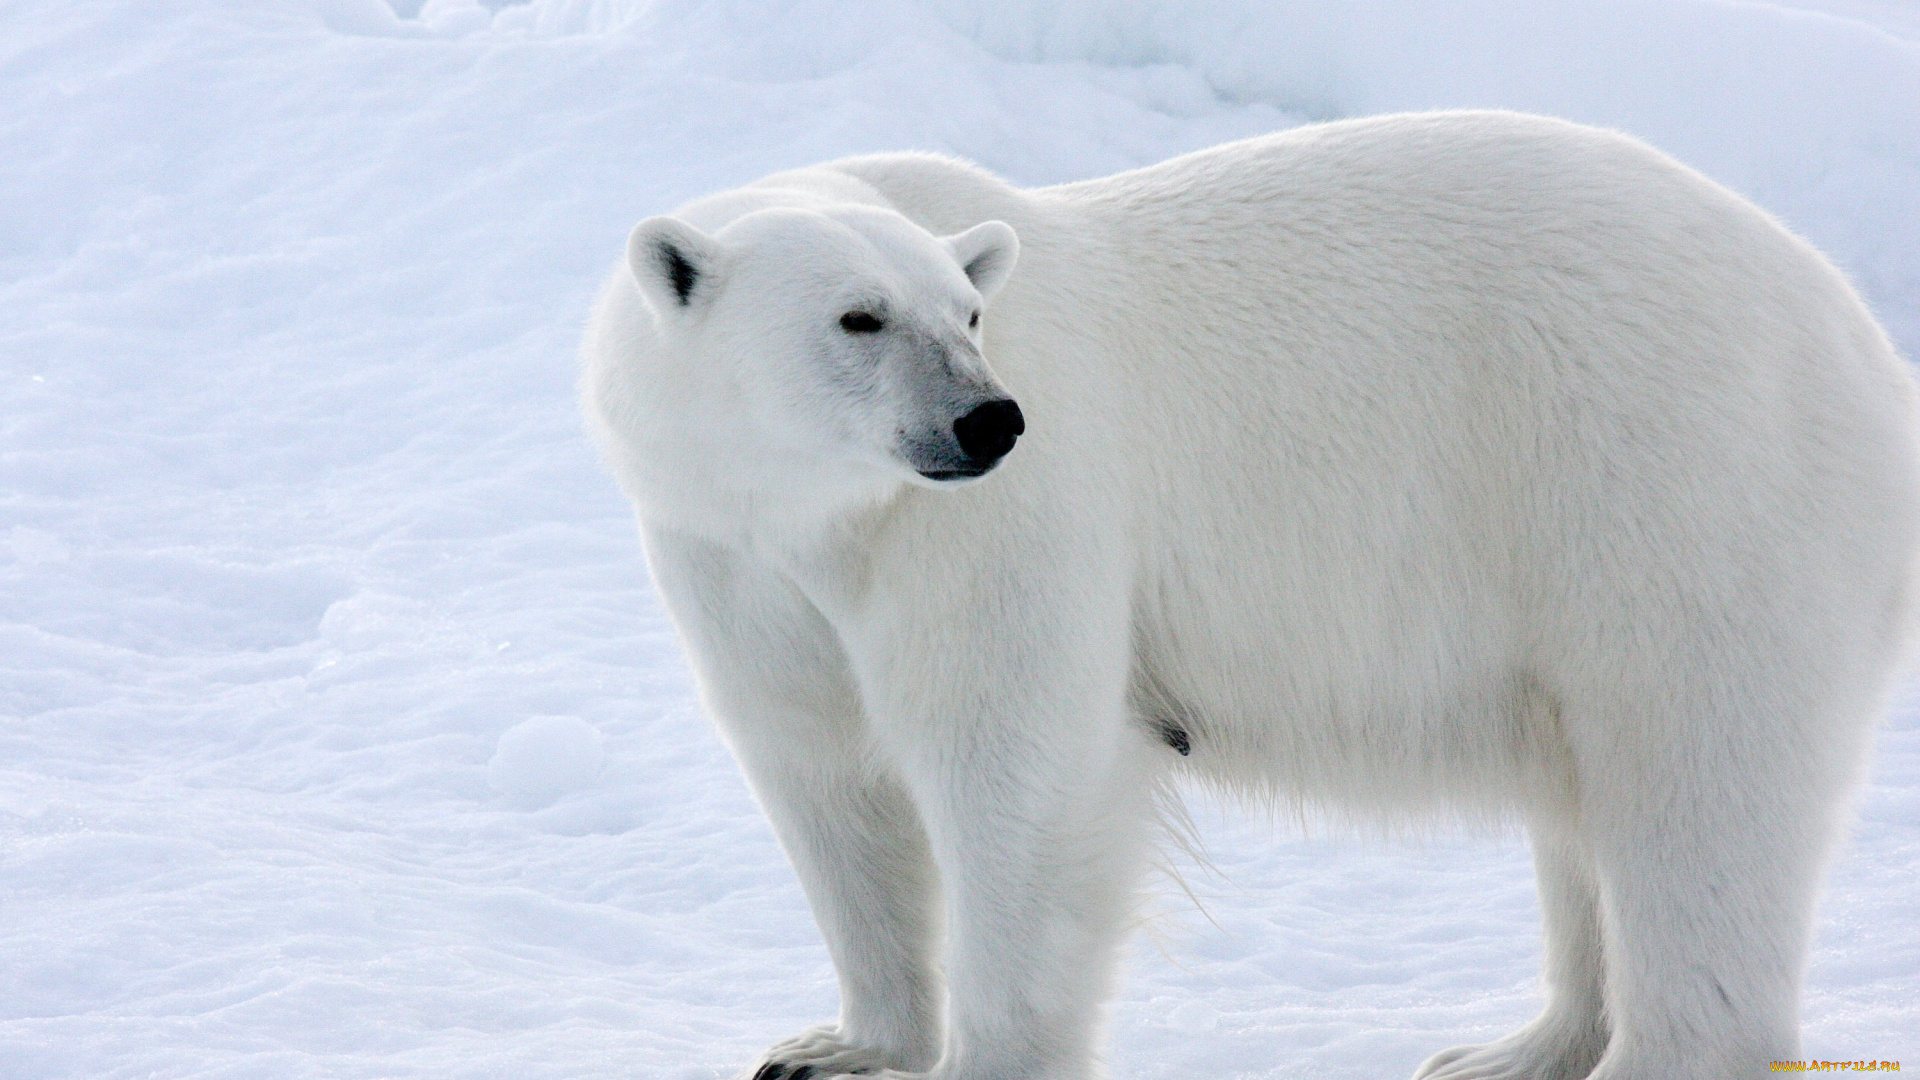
column 1467, row 464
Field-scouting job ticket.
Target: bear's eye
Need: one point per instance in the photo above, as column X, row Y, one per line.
column 860, row 322
column 973, row 321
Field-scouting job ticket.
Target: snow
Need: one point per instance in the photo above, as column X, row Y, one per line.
column 340, row 733
column 541, row 759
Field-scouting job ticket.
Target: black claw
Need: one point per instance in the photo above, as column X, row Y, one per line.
column 772, row 1070
column 801, row 1073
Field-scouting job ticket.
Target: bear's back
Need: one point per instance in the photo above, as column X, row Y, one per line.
column 1479, row 377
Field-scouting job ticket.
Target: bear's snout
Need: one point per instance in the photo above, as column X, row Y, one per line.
column 989, row 430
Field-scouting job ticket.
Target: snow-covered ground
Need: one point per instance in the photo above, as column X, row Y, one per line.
column 300, row 528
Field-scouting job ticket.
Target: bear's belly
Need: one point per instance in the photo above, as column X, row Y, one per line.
column 1357, row 695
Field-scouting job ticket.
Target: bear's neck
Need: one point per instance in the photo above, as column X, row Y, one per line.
column 787, row 507
column 820, row 536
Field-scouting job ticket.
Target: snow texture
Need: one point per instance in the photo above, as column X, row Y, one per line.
column 340, row 733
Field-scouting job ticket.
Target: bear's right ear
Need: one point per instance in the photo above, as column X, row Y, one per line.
column 673, row 262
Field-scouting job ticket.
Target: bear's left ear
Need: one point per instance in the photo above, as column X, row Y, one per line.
column 673, row 263
column 987, row 253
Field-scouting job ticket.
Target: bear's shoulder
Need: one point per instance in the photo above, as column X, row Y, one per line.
column 940, row 194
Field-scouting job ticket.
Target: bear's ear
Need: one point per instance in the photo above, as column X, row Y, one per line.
column 673, row 262
column 987, row 253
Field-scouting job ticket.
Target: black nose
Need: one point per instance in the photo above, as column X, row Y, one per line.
column 988, row 430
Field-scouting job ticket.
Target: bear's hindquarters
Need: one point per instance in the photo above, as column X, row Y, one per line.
column 1712, row 754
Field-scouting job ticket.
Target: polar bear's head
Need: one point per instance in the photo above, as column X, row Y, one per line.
column 849, row 336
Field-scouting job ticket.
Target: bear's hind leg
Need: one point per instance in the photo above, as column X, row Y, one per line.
column 1709, row 824
column 1567, row 1038
column 1706, row 938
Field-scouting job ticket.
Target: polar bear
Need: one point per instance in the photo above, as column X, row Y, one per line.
column 1472, row 464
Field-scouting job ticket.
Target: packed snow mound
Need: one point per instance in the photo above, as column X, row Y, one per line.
column 540, row 759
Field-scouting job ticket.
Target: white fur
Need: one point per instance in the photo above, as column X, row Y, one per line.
column 1471, row 463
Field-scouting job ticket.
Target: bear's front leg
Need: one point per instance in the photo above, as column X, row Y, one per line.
column 857, row 847
column 1006, row 715
column 773, row 676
